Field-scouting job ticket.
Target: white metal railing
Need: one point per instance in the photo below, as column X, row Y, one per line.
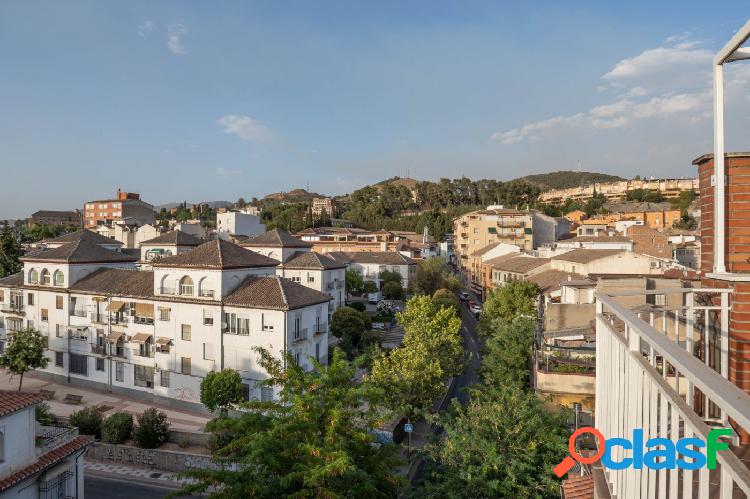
column 641, row 372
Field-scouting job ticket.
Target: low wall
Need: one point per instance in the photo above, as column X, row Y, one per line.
column 163, row 460
column 190, row 437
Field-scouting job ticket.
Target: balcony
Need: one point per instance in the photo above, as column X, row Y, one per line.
column 321, row 328
column 339, row 284
column 77, row 312
column 207, row 293
column 167, row 291
column 99, row 318
column 330, row 285
column 98, row 349
column 299, row 335
column 52, row 437
column 667, row 374
column 12, row 308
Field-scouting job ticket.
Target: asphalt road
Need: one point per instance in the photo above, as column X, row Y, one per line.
column 472, row 346
column 96, row 487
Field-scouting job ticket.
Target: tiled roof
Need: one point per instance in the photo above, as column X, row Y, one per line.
column 81, row 251
column 133, row 283
column 586, row 255
column 500, row 259
column 311, row 260
column 485, row 249
column 274, row 293
column 46, row 461
column 276, row 238
column 599, row 239
column 578, row 487
column 175, row 237
column 217, row 254
column 376, row 257
column 550, row 280
column 88, row 235
column 12, row 280
column 521, row 264
column 11, row 401
column 53, row 213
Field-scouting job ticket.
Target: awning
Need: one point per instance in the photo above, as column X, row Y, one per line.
column 114, row 306
column 165, row 308
column 115, row 336
column 144, row 310
column 141, row 338
column 99, row 298
column 161, row 340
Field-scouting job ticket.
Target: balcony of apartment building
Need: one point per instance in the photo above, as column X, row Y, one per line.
column 299, row 335
column 14, row 307
column 320, row 328
column 666, row 371
column 50, row 437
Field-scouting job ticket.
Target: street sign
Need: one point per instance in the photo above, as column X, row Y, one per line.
column 408, row 427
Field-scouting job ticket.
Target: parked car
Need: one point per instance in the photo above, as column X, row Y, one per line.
column 463, row 296
column 374, row 298
column 475, row 309
column 472, row 303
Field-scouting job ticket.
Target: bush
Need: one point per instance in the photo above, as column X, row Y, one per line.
column 358, row 306
column 88, row 421
column 152, row 430
column 117, row 428
column 44, row 415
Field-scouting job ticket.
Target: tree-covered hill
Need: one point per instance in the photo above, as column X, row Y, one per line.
column 564, row 179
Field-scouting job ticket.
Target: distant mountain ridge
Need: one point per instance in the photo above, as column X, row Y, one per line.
column 293, row 196
column 565, row 179
column 212, row 204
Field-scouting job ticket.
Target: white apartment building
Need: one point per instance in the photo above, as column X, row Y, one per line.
column 369, row 264
column 277, row 244
column 160, row 331
column 238, row 223
column 596, row 242
column 37, row 462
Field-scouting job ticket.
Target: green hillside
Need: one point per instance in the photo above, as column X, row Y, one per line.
column 564, row 179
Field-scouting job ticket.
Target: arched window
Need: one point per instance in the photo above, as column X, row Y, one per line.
column 34, row 276
column 203, row 288
column 44, row 279
column 59, row 278
column 186, row 286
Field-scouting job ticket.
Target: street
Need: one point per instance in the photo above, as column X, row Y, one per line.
column 472, row 346
column 96, row 486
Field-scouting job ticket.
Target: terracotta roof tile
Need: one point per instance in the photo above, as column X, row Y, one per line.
column 311, row 260
column 12, row 280
column 84, row 234
column 175, row 237
column 217, row 254
column 274, row 293
column 485, row 249
column 133, row 283
column 378, row 257
column 550, row 280
column 81, row 251
column 46, row 461
column 586, row 255
column 11, row 401
column 578, row 487
column 521, row 264
column 276, row 238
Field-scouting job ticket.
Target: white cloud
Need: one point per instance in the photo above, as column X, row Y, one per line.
column 226, row 173
column 668, row 82
column 175, row 32
column 145, row 28
column 245, row 128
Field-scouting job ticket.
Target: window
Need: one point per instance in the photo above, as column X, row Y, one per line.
column 44, row 278
column 59, row 359
column 99, row 364
column 185, row 365
column 266, row 393
column 164, row 379
column 186, row 286
column 297, row 358
column 317, row 352
column 186, row 332
column 29, row 324
column 59, row 278
column 208, row 351
column 310, row 277
column 45, row 315
column 208, row 318
column 264, row 326
column 79, row 364
column 245, row 391
column 34, row 276
column 30, row 299
column 164, row 314
column 59, row 302
column 143, row 376
column 120, row 372
column 296, row 279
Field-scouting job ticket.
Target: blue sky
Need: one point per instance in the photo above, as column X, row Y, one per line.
column 217, row 100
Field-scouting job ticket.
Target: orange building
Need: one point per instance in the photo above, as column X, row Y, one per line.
column 127, row 205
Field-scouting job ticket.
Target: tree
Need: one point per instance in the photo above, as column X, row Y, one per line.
column 25, row 351
column 433, row 274
column 152, row 429
column 221, row 389
column 412, row 376
column 354, row 282
column 348, row 325
column 314, row 441
column 370, row 287
column 10, row 251
column 388, row 276
column 445, row 298
column 392, row 290
column 514, row 299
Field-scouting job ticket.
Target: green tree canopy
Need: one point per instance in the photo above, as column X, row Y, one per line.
column 10, row 251
column 221, row 389
column 433, row 274
column 514, row 299
column 354, row 282
column 348, row 325
column 445, row 298
column 314, row 441
column 24, row 352
column 392, row 290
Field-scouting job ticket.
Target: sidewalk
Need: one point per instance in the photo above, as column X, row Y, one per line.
column 179, row 419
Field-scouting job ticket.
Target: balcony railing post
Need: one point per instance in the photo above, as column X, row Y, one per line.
column 690, row 330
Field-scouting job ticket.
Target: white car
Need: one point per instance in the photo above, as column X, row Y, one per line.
column 476, row 309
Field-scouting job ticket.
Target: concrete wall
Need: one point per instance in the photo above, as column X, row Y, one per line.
column 568, row 316
column 158, row 459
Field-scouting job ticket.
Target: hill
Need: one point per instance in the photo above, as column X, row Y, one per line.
column 409, row 183
column 293, row 196
column 565, row 179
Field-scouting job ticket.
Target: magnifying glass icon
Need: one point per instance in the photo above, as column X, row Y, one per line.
column 567, row 463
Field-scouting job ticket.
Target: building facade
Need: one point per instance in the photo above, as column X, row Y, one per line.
column 238, row 223
column 125, row 206
column 370, row 264
column 612, row 191
column 48, row 217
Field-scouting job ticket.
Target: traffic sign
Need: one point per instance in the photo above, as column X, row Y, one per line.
column 408, row 427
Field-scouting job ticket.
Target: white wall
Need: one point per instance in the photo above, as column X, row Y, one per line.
column 239, row 224
column 626, row 262
column 19, row 432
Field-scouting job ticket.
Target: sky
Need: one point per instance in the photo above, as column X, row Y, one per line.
column 198, row 101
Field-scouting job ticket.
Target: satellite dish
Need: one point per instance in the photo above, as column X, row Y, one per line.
column 224, row 325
